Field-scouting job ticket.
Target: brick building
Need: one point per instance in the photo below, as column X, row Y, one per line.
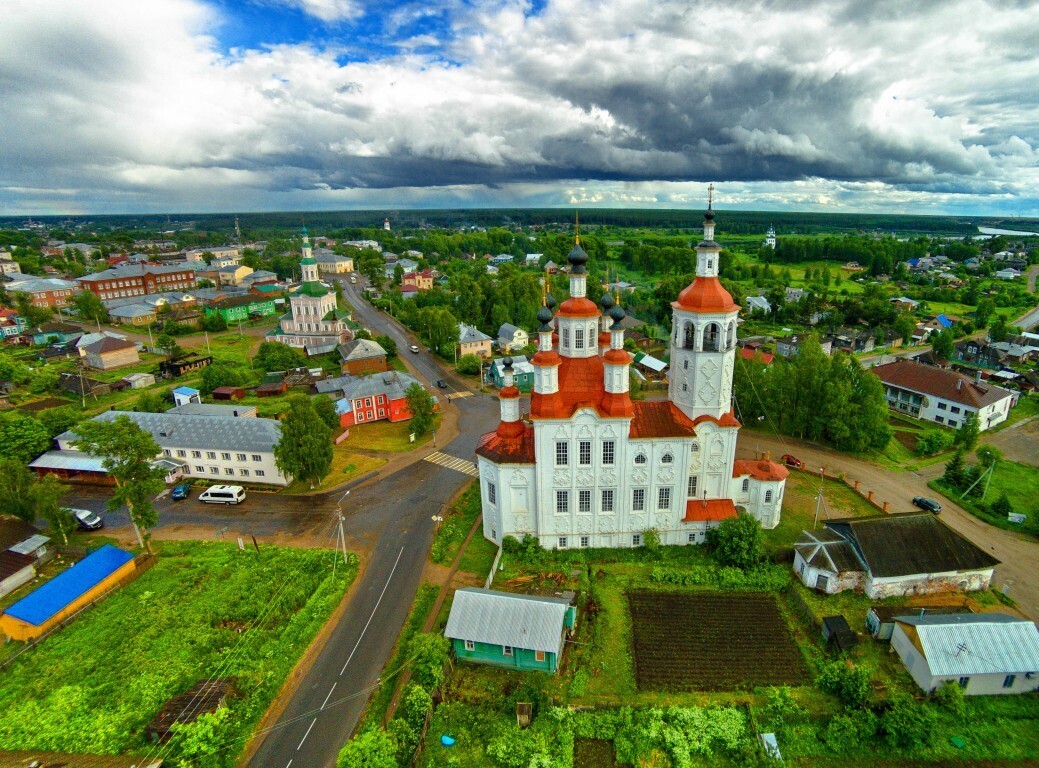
column 138, row 280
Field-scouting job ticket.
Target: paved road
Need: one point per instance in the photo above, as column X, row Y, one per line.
column 1018, row 553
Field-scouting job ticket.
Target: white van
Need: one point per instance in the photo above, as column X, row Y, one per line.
column 223, row 494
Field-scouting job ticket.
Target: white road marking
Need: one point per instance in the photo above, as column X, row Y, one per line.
column 312, row 724
column 328, row 696
column 288, row 764
column 453, row 462
column 456, row 395
column 377, row 602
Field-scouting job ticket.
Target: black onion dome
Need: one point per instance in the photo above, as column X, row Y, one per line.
column 544, row 315
column 577, row 258
column 550, row 302
column 709, row 215
column 618, row 313
column 606, row 301
column 507, row 363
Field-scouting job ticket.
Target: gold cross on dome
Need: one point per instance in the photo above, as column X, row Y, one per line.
column 710, row 194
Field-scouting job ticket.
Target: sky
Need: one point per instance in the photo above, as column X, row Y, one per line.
column 128, row 106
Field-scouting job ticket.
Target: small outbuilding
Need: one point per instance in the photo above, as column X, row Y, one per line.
column 983, row 653
column 15, row 570
column 185, row 395
column 66, row 593
column 228, row 393
column 139, row 380
column 880, row 619
column 503, row 629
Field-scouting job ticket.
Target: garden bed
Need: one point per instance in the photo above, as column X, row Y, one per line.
column 706, row 641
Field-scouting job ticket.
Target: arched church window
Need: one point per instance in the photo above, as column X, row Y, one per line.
column 712, row 338
column 689, row 341
column 730, row 339
column 667, row 458
column 768, row 497
column 564, row 338
column 640, row 458
column 685, row 365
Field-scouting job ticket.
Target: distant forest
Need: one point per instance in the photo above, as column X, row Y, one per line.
column 736, row 222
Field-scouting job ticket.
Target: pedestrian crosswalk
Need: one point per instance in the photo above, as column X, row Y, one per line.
column 453, row 462
column 457, row 395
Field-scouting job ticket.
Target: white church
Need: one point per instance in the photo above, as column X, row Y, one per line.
column 314, row 320
column 589, row 467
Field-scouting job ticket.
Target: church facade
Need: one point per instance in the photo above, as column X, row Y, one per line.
column 590, row 467
column 314, row 320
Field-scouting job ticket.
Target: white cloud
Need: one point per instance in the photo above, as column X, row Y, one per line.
column 132, row 105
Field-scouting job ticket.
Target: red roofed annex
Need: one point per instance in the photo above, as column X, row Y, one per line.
column 587, row 467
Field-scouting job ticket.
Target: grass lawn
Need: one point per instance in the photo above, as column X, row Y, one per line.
column 385, row 436
column 479, row 555
column 799, row 503
column 205, row 610
column 457, row 522
column 346, row 465
column 1026, row 408
column 1020, row 482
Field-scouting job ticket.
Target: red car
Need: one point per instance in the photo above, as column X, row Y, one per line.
column 792, row 461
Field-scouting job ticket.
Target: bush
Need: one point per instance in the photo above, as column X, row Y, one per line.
column 371, row 749
column 429, row 656
column 906, row 724
column 763, row 577
column 934, row 441
column 847, row 733
column 1002, row 507
column 951, row 697
column 529, row 550
column 737, row 541
column 469, row 365
column 414, row 704
column 851, row 683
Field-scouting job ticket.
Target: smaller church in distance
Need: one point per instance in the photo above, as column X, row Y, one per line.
column 590, row 467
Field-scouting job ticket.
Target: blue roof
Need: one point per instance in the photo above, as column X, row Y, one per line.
column 45, row 601
column 946, row 322
column 186, row 391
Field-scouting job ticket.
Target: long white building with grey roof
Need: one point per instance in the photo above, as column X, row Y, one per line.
column 224, row 449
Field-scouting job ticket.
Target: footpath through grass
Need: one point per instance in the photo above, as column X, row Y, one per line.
column 205, row 610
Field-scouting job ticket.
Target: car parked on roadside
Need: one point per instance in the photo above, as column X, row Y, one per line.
column 414, row 348
column 86, row 520
column 792, row 461
column 180, row 492
column 442, row 384
column 929, row 504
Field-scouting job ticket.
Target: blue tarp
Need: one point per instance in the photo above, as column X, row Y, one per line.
column 47, row 600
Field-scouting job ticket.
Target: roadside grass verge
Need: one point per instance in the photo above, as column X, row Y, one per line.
column 799, row 504
column 1020, row 482
column 1026, row 408
column 204, row 610
column 387, row 437
column 346, row 465
column 457, row 522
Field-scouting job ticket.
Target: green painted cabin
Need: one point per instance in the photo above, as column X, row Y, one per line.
column 502, row 629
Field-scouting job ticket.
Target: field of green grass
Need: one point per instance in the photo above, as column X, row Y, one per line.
column 205, row 610
column 1020, row 482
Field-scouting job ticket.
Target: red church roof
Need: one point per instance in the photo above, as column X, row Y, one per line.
column 760, row 469
column 508, row 450
column 702, row 510
column 578, row 307
column 705, row 294
column 751, row 354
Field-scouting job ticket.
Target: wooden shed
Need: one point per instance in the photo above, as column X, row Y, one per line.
column 271, row 390
column 228, row 393
column 203, row 698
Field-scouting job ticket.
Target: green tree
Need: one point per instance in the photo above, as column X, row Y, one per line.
column 737, row 541
column 326, row 410
column 968, row 433
column 16, row 483
column 942, row 343
column 955, row 473
column 469, row 365
column 387, row 343
column 89, row 307
column 1002, row 506
column 200, row 744
column 420, row 405
column 57, row 420
column 441, row 329
column 213, row 322
column 363, row 333
column 950, row 696
column 22, row 437
column 224, row 375
column 988, row 455
column 851, row 683
column 46, row 494
column 984, row 311
column 151, row 402
column 907, row 724
column 999, row 330
column 429, row 656
column 374, row 748
column 168, row 345
column 275, row 356
column 304, row 451
column 934, row 441
column 127, row 453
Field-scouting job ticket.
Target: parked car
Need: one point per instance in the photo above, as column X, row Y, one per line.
column 180, row 492
column 223, row 494
column 414, row 348
column 792, row 461
column 929, row 504
column 87, row 520
column 441, row 383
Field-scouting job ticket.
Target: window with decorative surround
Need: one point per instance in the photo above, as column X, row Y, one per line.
column 663, row 498
column 584, row 501
column 607, row 500
column 562, row 502
column 638, row 500
column 584, row 453
column 608, row 449
column 562, row 453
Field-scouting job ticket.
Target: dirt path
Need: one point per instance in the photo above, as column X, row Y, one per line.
column 1019, row 442
column 1018, row 553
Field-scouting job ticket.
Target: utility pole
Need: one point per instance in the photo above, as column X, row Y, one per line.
column 341, row 536
column 820, row 500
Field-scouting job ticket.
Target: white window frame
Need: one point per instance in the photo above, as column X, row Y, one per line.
column 636, row 539
column 562, row 542
column 607, row 500
column 609, row 453
column 638, row 499
column 562, row 502
column 585, row 541
column 506, row 650
column 562, row 453
column 768, row 497
column 664, row 497
column 578, row 338
column 492, row 493
column 469, row 645
column 584, row 501
column 691, row 486
column 584, row 453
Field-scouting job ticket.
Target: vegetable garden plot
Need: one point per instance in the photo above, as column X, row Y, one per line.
column 708, row 641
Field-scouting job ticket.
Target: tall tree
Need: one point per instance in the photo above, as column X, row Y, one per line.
column 942, row 344
column 275, row 356
column 15, row 490
column 46, row 496
column 968, row 433
column 305, row 449
column 168, row 345
column 89, row 307
column 420, row 404
column 22, row 438
column 325, row 408
column 127, row 453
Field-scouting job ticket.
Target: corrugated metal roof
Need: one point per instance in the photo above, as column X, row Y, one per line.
column 977, row 644
column 828, row 550
column 76, row 461
column 30, row 545
column 503, row 618
column 212, row 433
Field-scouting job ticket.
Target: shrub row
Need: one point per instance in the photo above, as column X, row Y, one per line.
column 762, row 577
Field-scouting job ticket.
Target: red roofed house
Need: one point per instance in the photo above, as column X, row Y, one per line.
column 423, row 281
column 587, row 466
column 943, row 396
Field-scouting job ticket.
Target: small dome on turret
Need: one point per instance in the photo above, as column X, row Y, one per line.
column 618, row 313
column 577, row 258
column 544, row 315
column 507, row 364
column 709, row 215
column 606, row 301
column 550, row 302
